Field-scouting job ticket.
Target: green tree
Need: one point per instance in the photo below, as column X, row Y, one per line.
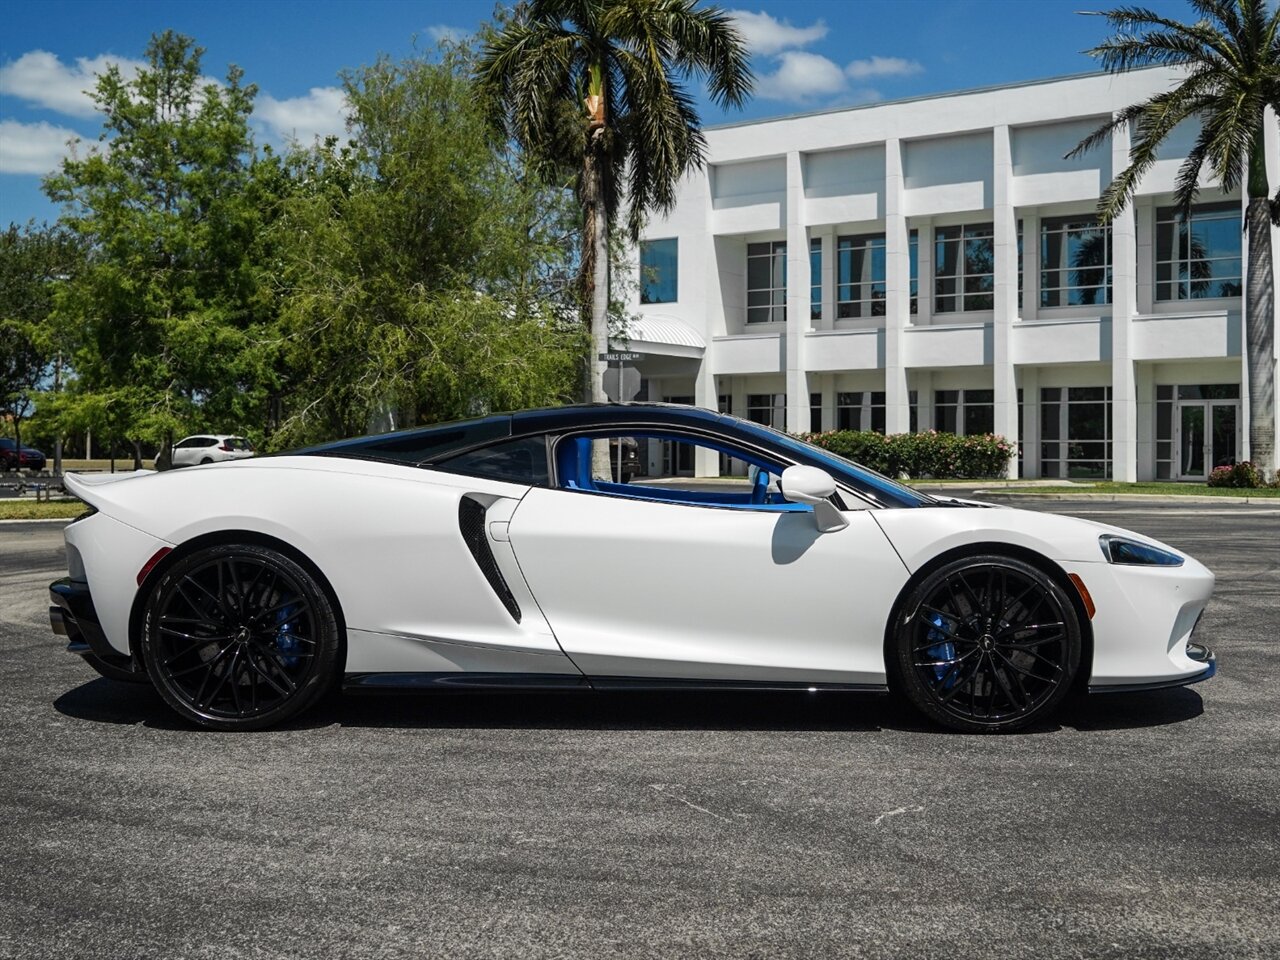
column 1230, row 74
column 33, row 261
column 600, row 85
column 168, row 318
column 422, row 266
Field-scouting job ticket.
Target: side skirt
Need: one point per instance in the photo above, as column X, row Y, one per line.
column 459, row 681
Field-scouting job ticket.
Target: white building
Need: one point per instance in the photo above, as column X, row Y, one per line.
column 936, row 263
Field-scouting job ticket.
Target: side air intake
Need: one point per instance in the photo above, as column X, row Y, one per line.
column 471, row 523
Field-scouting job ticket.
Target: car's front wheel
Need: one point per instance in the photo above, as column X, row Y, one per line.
column 239, row 637
column 987, row 644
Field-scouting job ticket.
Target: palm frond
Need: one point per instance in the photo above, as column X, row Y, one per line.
column 1231, row 122
column 1187, row 180
column 1159, row 42
column 1153, row 123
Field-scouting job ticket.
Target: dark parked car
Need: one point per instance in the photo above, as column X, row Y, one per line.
column 29, row 458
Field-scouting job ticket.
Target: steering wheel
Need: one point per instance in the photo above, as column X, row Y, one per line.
column 760, row 487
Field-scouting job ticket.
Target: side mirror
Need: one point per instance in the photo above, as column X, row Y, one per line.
column 809, row 485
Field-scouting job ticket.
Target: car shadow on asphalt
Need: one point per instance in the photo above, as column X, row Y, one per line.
column 108, row 702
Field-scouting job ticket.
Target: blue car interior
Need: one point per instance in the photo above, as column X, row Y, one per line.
column 573, row 468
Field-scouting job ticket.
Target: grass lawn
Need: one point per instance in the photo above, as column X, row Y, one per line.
column 1168, row 489
column 33, row 510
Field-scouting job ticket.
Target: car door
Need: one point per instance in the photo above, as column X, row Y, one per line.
column 635, row 587
column 182, row 453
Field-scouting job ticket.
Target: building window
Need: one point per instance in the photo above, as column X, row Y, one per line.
column 659, row 270
column 861, row 276
column 767, row 282
column 1075, row 432
column 815, row 279
column 1198, row 257
column 769, row 409
column 860, row 410
column 1075, row 262
column 964, row 268
column 815, row 413
column 964, row 412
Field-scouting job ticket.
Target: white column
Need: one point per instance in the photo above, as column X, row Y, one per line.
column 706, row 462
column 1030, row 266
column 1030, row 415
column 897, row 258
column 1006, row 294
column 924, row 400
column 828, row 235
column 1145, row 220
column 924, row 263
column 797, row 296
column 1145, row 407
column 1124, row 304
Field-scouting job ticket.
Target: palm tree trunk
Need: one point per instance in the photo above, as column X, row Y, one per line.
column 597, row 250
column 598, row 253
column 1260, row 327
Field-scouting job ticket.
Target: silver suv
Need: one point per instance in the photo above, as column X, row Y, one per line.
column 210, row 448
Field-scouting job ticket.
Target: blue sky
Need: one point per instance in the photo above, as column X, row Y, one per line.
column 807, row 54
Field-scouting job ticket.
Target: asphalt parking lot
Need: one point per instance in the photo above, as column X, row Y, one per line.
column 581, row 825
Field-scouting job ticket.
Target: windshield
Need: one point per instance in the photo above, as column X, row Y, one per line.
column 863, row 479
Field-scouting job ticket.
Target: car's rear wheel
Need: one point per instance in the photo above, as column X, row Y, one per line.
column 987, row 644
column 239, row 637
column 206, row 460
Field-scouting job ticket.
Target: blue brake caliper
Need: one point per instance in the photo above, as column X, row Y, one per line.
column 286, row 642
column 943, row 651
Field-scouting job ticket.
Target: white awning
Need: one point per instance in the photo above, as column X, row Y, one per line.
column 656, row 333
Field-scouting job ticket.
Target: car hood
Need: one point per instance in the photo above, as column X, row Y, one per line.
column 921, row 534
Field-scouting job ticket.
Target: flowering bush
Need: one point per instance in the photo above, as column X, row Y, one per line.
column 943, row 456
column 1242, row 474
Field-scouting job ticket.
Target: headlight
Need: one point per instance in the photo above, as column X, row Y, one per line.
column 1132, row 552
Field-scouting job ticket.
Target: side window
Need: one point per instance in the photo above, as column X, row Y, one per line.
column 516, row 461
column 207, row 442
column 662, row 466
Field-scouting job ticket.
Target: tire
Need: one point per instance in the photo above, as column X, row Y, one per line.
column 240, row 637
column 206, row 460
column 986, row 644
column 112, row 672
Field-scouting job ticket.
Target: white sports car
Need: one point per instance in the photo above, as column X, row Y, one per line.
column 506, row 552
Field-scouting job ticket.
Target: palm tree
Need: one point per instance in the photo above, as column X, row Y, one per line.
column 1229, row 61
column 599, row 84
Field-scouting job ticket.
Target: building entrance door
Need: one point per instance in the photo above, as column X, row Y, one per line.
column 1208, row 436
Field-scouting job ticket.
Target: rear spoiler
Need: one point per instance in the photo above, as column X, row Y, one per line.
column 88, row 486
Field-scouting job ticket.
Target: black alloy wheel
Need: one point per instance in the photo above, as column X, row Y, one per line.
column 239, row 637
column 987, row 644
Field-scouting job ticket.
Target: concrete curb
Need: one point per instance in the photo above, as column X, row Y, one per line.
column 40, row 520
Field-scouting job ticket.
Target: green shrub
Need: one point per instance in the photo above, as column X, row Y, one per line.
column 1242, row 474
column 942, row 456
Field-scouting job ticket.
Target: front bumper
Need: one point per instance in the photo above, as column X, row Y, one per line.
column 1195, row 651
column 72, row 615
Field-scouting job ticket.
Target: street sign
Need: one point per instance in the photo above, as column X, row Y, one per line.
column 622, row 384
column 620, row 357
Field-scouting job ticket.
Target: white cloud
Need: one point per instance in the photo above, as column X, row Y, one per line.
column 766, row 35
column 41, row 79
column 441, row 31
column 882, row 67
column 32, row 147
column 801, row 76
column 321, row 113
